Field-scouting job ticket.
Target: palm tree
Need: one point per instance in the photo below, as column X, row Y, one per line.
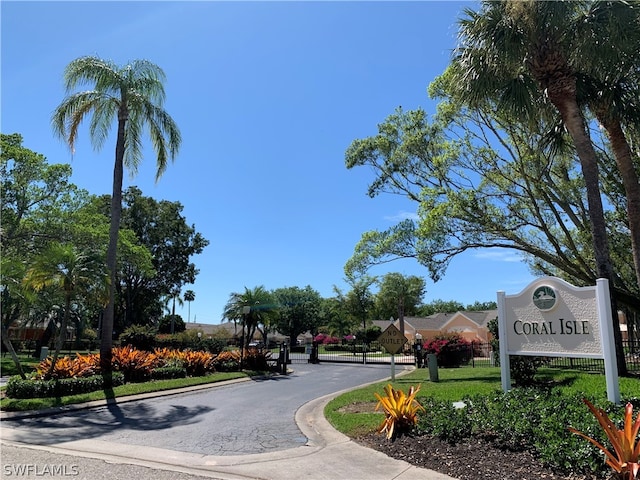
column 68, row 270
column 174, row 297
column 518, row 54
column 189, row 296
column 609, row 80
column 134, row 94
column 14, row 298
column 253, row 309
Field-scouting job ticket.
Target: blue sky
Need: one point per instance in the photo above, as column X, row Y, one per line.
column 268, row 96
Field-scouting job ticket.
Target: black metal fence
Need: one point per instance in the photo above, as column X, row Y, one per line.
column 473, row 355
column 348, row 353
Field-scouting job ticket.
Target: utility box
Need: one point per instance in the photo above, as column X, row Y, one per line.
column 432, row 363
column 44, row 353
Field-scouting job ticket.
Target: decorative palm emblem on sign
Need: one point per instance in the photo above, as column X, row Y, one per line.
column 544, row 297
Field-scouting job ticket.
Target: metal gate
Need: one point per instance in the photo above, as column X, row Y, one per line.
column 312, row 353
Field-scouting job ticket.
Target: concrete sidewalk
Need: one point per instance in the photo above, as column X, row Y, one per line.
column 327, row 455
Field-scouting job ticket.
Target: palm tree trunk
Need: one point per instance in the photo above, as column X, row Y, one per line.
column 173, row 316
column 574, row 122
column 622, row 153
column 401, row 315
column 106, row 343
column 61, row 335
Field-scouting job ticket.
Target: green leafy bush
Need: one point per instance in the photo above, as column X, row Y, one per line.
column 526, row 419
column 164, row 325
column 138, row 336
column 186, row 340
column 166, row 373
column 443, row 420
column 524, row 369
column 211, row 345
column 19, row 388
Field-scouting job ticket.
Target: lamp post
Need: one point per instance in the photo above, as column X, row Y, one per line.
column 246, row 310
column 418, row 349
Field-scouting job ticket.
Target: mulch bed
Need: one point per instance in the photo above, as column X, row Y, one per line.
column 472, row 459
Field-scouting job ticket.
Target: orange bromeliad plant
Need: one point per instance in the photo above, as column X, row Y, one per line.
column 401, row 411
column 625, row 442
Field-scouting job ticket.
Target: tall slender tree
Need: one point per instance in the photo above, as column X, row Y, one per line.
column 189, row 296
column 519, row 55
column 133, row 95
column 608, row 71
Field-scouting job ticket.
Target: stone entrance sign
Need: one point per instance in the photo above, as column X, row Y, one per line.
column 552, row 318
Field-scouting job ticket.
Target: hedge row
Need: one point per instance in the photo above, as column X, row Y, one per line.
column 19, row 388
column 525, row 419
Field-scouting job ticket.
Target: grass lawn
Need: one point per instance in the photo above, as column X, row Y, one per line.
column 353, row 412
column 8, row 368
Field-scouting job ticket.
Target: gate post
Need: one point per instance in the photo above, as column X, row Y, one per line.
column 313, row 356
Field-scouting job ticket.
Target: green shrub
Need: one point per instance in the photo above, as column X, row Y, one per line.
column 212, row 345
column 526, row 419
column 369, row 335
column 442, row 419
column 165, row 324
column 19, row 388
column 139, row 337
column 166, row 373
column 186, row 340
column 337, row 347
column 524, row 369
column 507, row 419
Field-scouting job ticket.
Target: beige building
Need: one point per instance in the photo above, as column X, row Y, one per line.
column 472, row 326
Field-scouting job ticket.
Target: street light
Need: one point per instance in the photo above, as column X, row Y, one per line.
column 417, row 348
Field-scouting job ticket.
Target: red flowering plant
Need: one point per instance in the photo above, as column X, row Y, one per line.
column 325, row 339
column 450, row 349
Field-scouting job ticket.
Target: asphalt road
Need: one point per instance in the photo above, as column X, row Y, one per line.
column 239, row 419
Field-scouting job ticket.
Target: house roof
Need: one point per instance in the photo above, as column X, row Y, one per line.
column 482, row 318
column 208, row 329
column 438, row 321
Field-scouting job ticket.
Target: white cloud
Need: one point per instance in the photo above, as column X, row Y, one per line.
column 498, row 255
column 402, row 215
